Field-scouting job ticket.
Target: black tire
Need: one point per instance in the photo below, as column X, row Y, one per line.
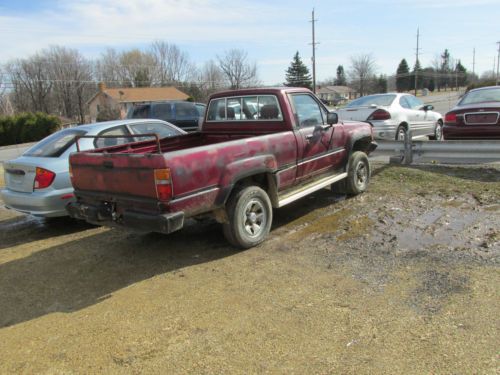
column 438, row 132
column 358, row 173
column 401, row 133
column 250, row 217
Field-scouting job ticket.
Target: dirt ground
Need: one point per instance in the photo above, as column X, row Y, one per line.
column 403, row 279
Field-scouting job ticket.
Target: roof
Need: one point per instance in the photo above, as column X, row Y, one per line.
column 259, row 91
column 143, row 94
column 337, row 89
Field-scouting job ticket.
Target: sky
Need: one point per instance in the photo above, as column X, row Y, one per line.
column 269, row 31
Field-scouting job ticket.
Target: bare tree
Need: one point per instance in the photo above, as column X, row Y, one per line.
column 71, row 75
column 171, row 64
column 362, row 71
column 106, row 68
column 31, row 83
column 238, row 71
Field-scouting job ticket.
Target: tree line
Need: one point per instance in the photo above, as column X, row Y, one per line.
column 60, row 80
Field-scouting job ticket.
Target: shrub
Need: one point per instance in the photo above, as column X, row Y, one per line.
column 27, row 127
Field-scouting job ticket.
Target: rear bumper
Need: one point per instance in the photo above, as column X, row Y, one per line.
column 102, row 215
column 474, row 132
column 38, row 203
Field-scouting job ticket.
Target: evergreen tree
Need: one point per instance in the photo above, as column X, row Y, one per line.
column 297, row 75
column 381, row 84
column 420, row 79
column 444, row 80
column 403, row 76
column 340, row 80
column 461, row 74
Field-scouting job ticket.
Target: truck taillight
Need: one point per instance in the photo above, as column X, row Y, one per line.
column 163, row 184
column 450, row 118
column 379, row 114
column 43, row 178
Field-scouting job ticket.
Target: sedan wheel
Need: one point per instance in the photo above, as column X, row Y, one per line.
column 401, row 133
column 438, row 133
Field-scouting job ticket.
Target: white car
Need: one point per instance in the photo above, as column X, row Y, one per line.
column 393, row 114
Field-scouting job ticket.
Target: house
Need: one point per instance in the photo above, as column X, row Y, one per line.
column 334, row 95
column 120, row 100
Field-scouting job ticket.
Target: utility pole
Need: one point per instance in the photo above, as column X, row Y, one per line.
column 498, row 63
column 313, row 59
column 416, row 61
column 474, row 63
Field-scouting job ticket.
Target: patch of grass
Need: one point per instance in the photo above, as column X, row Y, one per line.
column 483, row 183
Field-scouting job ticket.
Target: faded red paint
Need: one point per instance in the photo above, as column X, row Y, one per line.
column 204, row 166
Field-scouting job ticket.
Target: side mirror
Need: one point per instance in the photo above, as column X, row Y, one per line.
column 428, row 107
column 332, row 118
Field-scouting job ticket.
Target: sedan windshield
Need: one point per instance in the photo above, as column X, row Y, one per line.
column 54, row 145
column 481, row 96
column 384, row 100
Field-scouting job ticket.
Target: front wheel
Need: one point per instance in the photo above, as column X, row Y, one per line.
column 250, row 217
column 358, row 173
column 438, row 132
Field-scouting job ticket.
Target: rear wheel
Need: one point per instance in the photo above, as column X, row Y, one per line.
column 250, row 217
column 401, row 133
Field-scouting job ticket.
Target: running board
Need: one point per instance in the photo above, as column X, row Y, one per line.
column 309, row 188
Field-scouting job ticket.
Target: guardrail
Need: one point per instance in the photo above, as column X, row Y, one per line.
column 449, row 152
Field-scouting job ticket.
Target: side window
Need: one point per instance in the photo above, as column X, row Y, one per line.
column 403, row 102
column 107, row 142
column 141, row 111
column 162, row 111
column 217, row 110
column 185, row 110
column 415, row 102
column 307, row 110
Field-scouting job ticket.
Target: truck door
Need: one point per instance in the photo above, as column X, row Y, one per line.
column 320, row 146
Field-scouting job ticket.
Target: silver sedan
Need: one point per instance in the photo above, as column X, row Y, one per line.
column 38, row 182
column 393, row 115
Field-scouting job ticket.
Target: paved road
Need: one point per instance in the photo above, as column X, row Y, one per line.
column 442, row 101
column 11, row 152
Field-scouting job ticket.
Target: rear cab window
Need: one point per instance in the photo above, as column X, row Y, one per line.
column 56, row 144
column 245, row 108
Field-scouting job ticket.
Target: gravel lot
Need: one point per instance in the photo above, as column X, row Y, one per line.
column 402, row 279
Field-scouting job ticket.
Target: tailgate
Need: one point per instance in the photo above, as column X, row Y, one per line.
column 116, row 174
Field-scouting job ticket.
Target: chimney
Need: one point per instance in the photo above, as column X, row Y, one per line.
column 101, row 86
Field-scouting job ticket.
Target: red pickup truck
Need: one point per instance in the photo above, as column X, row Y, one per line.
column 258, row 149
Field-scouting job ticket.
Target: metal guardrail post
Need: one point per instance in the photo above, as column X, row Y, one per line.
column 408, row 155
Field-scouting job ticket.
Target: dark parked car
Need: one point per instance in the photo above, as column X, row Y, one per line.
column 476, row 115
column 186, row 115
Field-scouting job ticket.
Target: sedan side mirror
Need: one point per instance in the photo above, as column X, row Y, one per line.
column 332, row 118
column 428, row 107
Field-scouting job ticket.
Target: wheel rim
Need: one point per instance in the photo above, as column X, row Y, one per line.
column 401, row 134
column 361, row 174
column 254, row 218
column 439, row 132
